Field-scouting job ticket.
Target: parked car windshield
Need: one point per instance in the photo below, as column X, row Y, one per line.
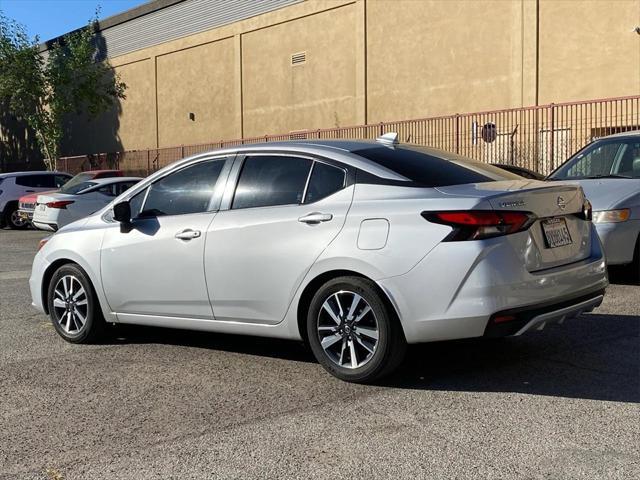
column 427, row 168
column 71, row 184
column 78, row 188
column 617, row 158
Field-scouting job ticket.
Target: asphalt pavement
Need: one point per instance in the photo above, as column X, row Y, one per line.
column 152, row 403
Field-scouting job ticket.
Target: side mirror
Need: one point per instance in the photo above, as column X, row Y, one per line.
column 122, row 212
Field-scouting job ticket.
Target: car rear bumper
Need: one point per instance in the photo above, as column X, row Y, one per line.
column 521, row 320
column 49, row 227
column 619, row 240
column 455, row 291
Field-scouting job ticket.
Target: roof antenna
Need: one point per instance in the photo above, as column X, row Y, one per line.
column 390, row 139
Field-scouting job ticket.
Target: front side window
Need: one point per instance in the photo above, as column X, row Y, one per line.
column 267, row 181
column 189, row 190
column 619, row 158
column 325, row 180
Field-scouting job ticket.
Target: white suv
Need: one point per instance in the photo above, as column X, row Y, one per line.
column 16, row 184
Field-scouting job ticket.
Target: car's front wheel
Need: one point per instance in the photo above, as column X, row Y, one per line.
column 73, row 306
column 352, row 332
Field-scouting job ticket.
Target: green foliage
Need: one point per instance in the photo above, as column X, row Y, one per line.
column 43, row 88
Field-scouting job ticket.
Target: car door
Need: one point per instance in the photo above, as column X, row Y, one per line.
column 284, row 212
column 154, row 266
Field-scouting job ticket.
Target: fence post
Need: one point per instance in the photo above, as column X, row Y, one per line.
column 381, row 132
column 552, row 113
column 182, row 151
column 148, row 162
column 457, row 133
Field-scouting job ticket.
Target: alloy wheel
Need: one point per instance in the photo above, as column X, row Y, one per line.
column 17, row 220
column 70, row 304
column 347, row 329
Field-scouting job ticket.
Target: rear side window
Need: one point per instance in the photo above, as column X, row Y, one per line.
column 36, row 181
column 271, row 180
column 428, row 170
column 325, row 180
column 189, row 190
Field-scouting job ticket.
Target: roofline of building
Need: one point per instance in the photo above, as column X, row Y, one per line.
column 135, row 12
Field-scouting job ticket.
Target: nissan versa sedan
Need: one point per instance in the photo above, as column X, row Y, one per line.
column 608, row 170
column 356, row 247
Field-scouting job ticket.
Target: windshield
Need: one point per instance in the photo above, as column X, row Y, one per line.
column 432, row 168
column 616, row 158
column 71, row 184
column 75, row 189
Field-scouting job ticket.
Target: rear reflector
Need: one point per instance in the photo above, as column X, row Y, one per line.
column 59, row 204
column 479, row 224
column 43, row 242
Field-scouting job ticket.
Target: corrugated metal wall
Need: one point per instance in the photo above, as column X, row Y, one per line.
column 181, row 20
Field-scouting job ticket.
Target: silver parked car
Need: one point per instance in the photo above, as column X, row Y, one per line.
column 608, row 170
column 356, row 247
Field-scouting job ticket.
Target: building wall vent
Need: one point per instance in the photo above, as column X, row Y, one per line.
column 299, row 58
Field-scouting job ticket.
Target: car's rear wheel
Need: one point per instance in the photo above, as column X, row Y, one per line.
column 352, row 331
column 73, row 306
column 13, row 220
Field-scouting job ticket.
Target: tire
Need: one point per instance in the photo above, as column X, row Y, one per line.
column 339, row 330
column 634, row 267
column 71, row 291
column 12, row 220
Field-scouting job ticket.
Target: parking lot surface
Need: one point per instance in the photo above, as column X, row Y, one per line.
column 153, row 403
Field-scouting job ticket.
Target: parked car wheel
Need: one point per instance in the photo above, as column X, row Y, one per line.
column 352, row 332
column 13, row 220
column 73, row 306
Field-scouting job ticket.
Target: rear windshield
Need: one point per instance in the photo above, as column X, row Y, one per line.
column 77, row 188
column 427, row 170
column 70, row 186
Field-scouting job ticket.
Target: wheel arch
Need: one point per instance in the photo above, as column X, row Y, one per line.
column 312, row 287
column 46, row 279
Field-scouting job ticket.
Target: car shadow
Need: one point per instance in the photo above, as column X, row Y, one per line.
column 622, row 275
column 594, row 357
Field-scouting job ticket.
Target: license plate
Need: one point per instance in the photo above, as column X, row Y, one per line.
column 556, row 232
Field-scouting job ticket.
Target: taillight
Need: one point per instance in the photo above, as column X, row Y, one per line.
column 479, row 224
column 59, row 204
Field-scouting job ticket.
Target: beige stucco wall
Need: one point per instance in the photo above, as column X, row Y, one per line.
column 322, row 92
column 198, row 80
column 129, row 125
column 588, row 49
column 434, row 57
column 369, row 61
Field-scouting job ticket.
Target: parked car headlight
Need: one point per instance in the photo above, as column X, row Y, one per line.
column 611, row 216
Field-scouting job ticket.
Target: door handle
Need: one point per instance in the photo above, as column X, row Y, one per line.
column 29, row 191
column 315, row 218
column 188, row 234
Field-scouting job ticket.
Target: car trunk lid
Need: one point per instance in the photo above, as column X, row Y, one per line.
column 560, row 233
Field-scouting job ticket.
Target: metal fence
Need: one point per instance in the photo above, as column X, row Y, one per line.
column 539, row 138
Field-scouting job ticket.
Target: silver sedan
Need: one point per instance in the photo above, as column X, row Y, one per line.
column 608, row 170
column 356, row 247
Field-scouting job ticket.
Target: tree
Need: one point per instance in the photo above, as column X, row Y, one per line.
column 43, row 88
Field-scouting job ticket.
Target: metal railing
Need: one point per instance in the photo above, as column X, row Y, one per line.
column 539, row 137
